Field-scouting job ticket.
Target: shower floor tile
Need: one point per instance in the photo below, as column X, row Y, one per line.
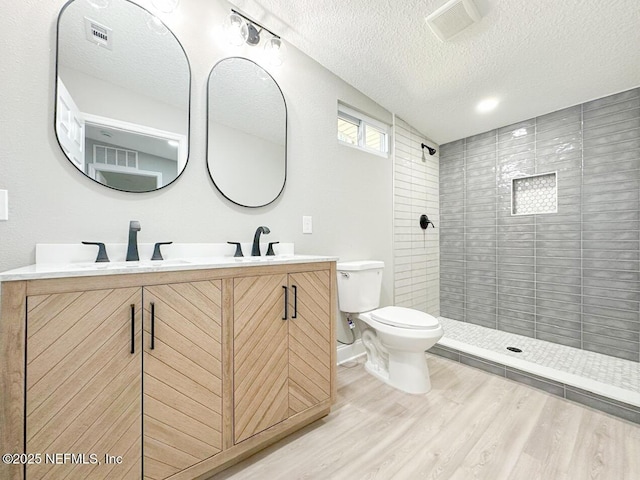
column 611, row 377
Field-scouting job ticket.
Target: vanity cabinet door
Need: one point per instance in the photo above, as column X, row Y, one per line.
column 182, row 383
column 260, row 354
column 309, row 340
column 83, row 392
column 281, row 366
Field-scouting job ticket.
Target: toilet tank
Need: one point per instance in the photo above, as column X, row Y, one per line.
column 359, row 285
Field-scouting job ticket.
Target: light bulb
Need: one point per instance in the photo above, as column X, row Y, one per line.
column 236, row 30
column 275, row 51
column 99, row 3
column 166, row 6
column 156, row 25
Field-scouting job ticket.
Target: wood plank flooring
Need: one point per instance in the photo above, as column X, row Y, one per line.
column 472, row 425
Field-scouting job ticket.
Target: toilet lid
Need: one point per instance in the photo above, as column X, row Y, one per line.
column 405, row 318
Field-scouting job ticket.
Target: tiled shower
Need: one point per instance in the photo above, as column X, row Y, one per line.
column 569, row 276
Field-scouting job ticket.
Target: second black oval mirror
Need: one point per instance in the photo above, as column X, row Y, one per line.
column 246, row 133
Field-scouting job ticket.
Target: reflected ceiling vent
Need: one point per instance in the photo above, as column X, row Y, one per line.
column 98, row 34
column 452, row 18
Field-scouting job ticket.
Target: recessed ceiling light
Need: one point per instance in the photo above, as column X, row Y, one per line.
column 487, row 105
column 172, row 143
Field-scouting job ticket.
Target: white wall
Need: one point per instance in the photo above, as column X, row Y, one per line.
column 348, row 192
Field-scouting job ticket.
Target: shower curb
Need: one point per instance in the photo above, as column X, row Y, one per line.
column 602, row 403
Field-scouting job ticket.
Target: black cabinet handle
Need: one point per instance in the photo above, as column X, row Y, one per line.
column 286, row 302
column 133, row 328
column 295, row 301
column 153, row 325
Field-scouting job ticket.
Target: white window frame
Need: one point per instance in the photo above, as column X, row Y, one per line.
column 363, row 121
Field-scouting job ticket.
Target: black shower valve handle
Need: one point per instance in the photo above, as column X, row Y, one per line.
column 425, row 222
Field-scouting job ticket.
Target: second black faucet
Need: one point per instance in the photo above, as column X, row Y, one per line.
column 255, row 249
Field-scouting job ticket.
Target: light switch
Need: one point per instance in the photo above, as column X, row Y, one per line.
column 307, row 224
column 4, row 205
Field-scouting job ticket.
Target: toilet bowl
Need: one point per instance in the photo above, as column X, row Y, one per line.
column 394, row 338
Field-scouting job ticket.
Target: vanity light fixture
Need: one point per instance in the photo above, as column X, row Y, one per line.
column 241, row 29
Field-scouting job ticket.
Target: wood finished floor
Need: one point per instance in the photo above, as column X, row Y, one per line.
column 472, row 425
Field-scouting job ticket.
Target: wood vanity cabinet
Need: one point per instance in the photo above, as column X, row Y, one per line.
column 281, row 348
column 91, row 374
column 179, row 373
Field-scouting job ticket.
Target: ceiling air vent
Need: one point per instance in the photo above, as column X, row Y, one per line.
column 97, row 33
column 453, row 17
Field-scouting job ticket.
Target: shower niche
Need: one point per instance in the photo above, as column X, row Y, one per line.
column 534, row 194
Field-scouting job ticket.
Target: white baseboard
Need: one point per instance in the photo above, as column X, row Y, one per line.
column 350, row 352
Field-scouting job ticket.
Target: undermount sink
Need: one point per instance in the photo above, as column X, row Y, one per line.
column 116, row 265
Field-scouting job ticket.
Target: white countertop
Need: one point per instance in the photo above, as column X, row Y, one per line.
column 77, row 260
column 41, row 271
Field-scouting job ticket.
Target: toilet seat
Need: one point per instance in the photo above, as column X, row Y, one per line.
column 402, row 317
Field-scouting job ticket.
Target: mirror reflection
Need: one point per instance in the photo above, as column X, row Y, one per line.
column 247, row 133
column 122, row 95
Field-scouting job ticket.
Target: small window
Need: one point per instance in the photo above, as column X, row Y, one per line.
column 358, row 130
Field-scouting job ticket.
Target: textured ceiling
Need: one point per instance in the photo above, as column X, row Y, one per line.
column 535, row 56
column 141, row 60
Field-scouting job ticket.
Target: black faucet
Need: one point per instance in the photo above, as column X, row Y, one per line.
column 132, row 247
column 255, row 249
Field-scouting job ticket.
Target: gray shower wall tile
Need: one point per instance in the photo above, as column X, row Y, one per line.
column 612, row 99
column 609, row 284
column 561, row 117
column 611, row 265
column 612, row 149
column 542, row 294
column 604, row 293
column 560, row 133
column 614, row 343
column 516, row 314
column 612, row 121
column 525, row 332
column 606, row 131
column 562, row 340
column 630, row 326
column 550, row 163
column 605, row 331
column 583, row 273
column 591, row 112
column 607, row 207
column 451, row 148
column 610, row 313
column 615, row 187
column 558, row 331
column 557, row 321
column 561, row 306
column 625, row 236
column 541, row 288
column 616, row 136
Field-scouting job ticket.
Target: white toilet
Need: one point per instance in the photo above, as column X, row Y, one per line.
column 395, row 338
